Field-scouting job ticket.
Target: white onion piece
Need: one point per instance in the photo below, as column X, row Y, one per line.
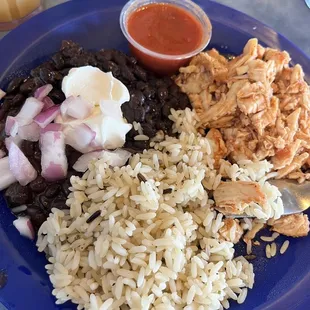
column 20, row 165
column 118, row 158
column 2, row 154
column 48, row 103
column 76, row 107
column 11, row 126
column 111, row 108
column 46, row 117
column 79, row 137
column 51, row 127
column 53, row 160
column 7, row 177
column 30, row 132
column 2, row 94
column 31, row 108
column 43, row 91
column 25, row 228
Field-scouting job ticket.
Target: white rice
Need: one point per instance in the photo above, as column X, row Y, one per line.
column 147, row 250
column 284, row 246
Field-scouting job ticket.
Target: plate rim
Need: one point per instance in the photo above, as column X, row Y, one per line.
column 58, row 11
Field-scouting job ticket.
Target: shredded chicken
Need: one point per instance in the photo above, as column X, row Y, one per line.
column 294, row 225
column 234, row 197
column 258, row 102
column 231, row 231
column 218, row 147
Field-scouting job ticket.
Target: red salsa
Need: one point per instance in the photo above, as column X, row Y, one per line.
column 165, row 29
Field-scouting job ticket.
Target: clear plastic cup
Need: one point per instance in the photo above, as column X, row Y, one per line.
column 14, row 12
column 161, row 63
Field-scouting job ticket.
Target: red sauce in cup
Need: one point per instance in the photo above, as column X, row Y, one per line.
column 167, row 30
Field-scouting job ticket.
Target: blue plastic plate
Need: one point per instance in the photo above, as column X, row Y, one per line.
column 281, row 283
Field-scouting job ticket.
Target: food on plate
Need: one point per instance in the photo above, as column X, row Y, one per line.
column 259, row 103
column 164, row 36
column 42, row 106
column 294, row 225
column 146, row 234
column 129, row 190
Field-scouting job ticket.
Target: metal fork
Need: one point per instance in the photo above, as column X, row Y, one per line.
column 295, row 197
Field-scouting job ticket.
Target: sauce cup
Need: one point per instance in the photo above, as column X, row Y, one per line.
column 164, row 64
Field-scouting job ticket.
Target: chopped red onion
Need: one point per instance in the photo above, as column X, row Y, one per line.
column 25, row 228
column 43, row 91
column 118, row 158
column 80, row 137
column 76, row 107
column 11, row 126
column 7, row 177
column 2, row 94
column 53, row 160
column 46, row 117
column 48, row 103
column 51, row 127
column 20, row 165
column 30, row 132
column 31, row 108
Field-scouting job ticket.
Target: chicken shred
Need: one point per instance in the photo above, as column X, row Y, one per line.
column 258, row 102
column 234, row 197
column 294, row 225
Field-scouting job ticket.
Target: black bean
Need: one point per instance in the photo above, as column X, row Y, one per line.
column 162, row 93
column 132, row 60
column 17, row 195
column 52, row 190
column 93, row 216
column 38, row 185
column 59, row 203
column 141, row 177
column 149, row 92
column 47, row 76
column 28, row 85
column 141, row 85
column 167, row 191
column 107, row 54
column 114, row 68
column 65, row 71
column 166, row 110
column 43, row 201
column 120, row 58
column 6, row 105
column 183, row 101
column 57, row 96
column 139, row 115
column 18, row 100
column 59, row 61
column 14, row 85
column 174, row 90
column 2, row 113
column 140, row 73
column 136, row 99
column 28, row 147
column 127, row 74
column 67, row 44
column 37, row 216
column 149, row 130
column 128, row 113
column 140, row 145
